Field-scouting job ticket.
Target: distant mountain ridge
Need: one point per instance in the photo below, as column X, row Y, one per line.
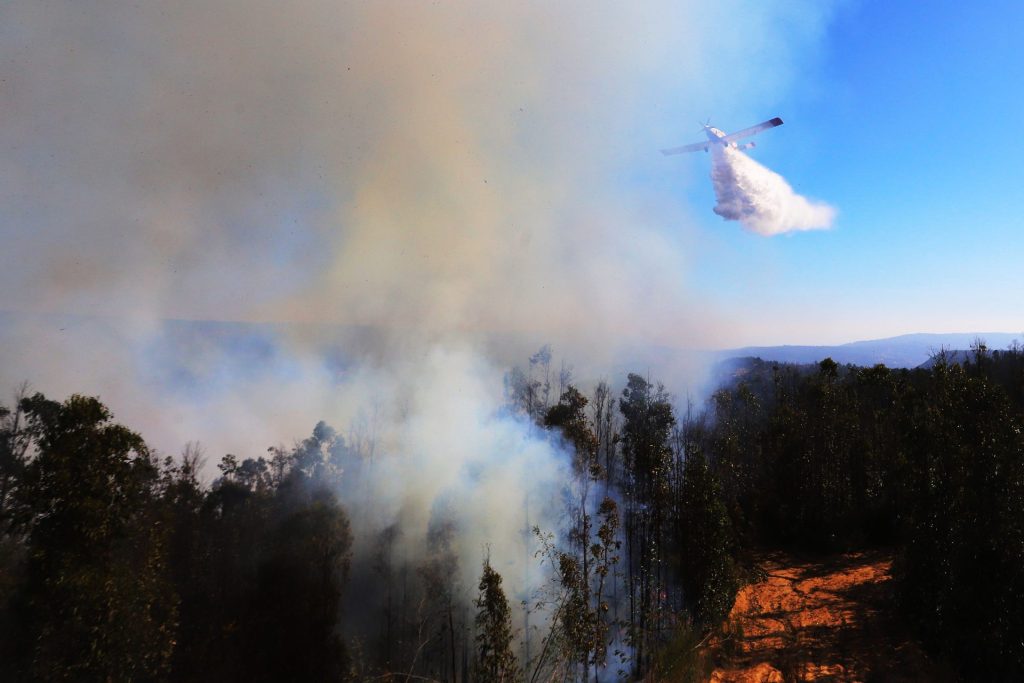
column 243, row 344
column 904, row 351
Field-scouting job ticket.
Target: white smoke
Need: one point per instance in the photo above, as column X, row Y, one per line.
column 437, row 447
column 429, row 177
column 443, row 174
column 761, row 199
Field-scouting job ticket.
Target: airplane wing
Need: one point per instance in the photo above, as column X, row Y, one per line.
column 753, row 130
column 695, row 147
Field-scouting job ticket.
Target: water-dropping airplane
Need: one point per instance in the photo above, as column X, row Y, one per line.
column 721, row 138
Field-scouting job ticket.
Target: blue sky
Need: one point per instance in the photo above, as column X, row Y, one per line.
column 907, row 119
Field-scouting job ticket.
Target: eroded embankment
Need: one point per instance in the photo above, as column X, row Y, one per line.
column 820, row 620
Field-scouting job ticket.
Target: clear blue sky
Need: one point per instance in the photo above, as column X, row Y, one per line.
column 908, row 119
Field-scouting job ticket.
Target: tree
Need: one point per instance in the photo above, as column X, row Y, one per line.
column 707, row 569
column 529, row 393
column 647, row 460
column 14, row 444
column 495, row 662
column 293, row 616
column 260, row 561
column 959, row 568
column 583, row 576
column 99, row 602
column 569, row 416
column 603, row 419
column 13, row 458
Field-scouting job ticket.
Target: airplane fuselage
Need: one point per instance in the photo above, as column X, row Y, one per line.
column 713, row 133
column 716, row 136
column 719, row 139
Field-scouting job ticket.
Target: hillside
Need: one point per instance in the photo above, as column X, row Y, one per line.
column 904, row 351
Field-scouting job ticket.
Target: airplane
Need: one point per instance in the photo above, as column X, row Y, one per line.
column 720, row 138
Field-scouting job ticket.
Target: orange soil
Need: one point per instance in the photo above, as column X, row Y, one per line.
column 818, row 621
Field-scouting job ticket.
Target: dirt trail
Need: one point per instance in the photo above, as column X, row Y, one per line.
column 823, row 620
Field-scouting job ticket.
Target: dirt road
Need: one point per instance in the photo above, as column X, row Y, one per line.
column 815, row 620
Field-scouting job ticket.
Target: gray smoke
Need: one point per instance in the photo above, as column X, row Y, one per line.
column 761, row 199
column 442, row 181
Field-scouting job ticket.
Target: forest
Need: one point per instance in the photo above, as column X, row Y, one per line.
column 117, row 563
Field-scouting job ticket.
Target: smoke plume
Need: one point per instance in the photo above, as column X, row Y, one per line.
column 761, row 199
column 415, row 174
column 399, row 198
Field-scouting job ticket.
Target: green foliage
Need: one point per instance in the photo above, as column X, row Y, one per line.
column 495, row 662
column 708, row 572
column 569, row 415
column 960, row 563
column 579, row 638
column 262, row 563
column 294, row 614
column 931, row 461
column 97, row 602
column 648, row 416
column 113, row 567
column 648, row 468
